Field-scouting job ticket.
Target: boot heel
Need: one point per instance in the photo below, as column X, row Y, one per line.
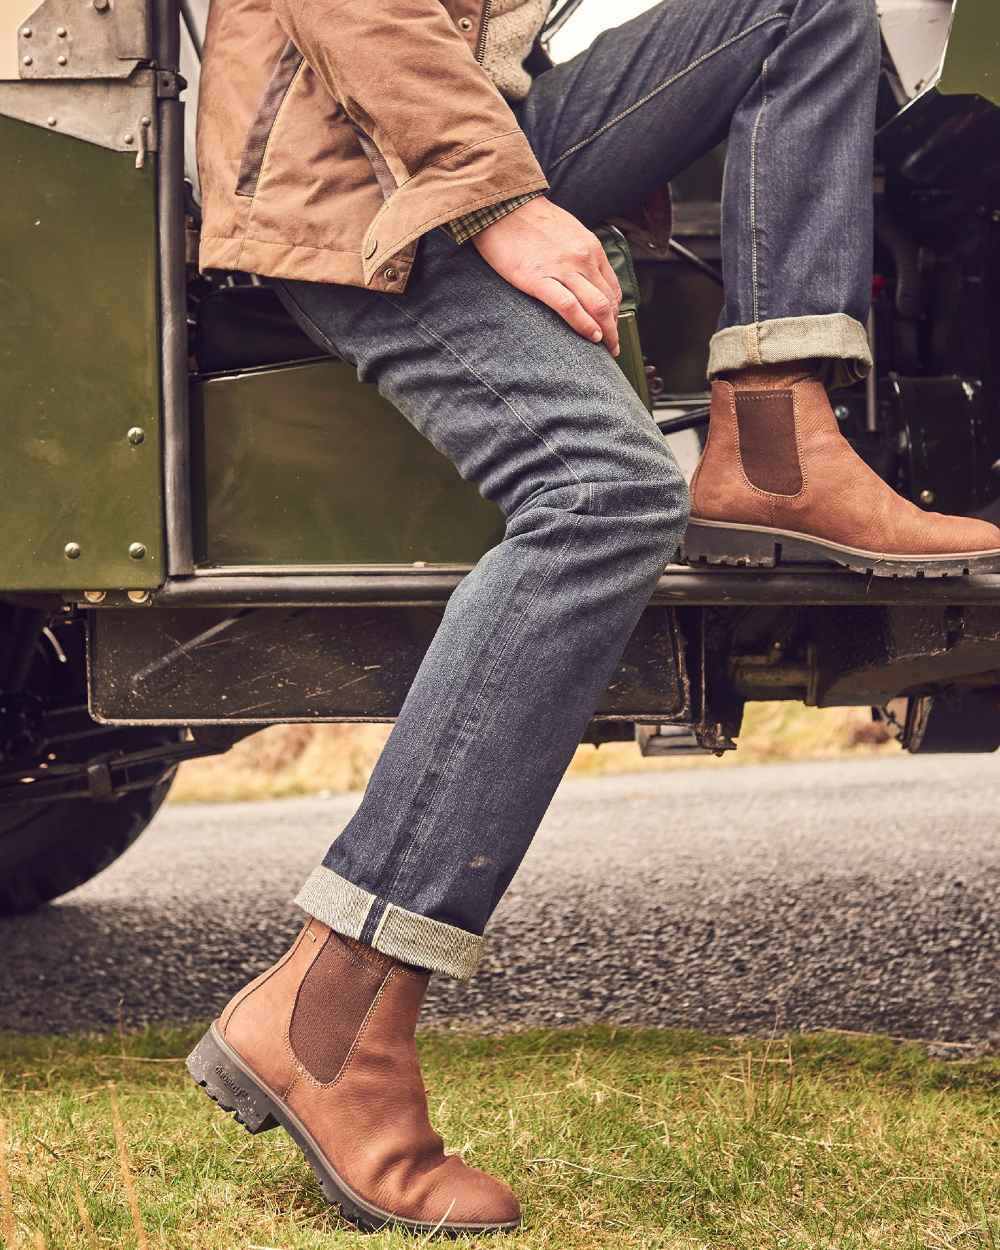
column 227, row 1084
column 730, row 545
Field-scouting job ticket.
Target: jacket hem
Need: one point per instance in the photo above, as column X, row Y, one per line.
column 281, row 260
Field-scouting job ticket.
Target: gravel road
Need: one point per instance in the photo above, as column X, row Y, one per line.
column 860, row 895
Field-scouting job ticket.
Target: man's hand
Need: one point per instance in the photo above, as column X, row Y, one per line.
column 545, row 252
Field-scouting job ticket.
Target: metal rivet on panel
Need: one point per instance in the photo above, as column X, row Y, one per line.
column 927, row 497
column 129, row 139
column 28, row 60
column 136, row 435
column 137, row 551
column 139, row 596
column 26, row 33
column 51, row 121
column 60, row 60
column 72, row 551
column 61, row 32
column 95, row 596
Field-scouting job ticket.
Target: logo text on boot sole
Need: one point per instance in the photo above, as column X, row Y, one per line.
column 230, row 1084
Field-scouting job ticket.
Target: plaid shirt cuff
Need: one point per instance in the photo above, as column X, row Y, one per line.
column 463, row 228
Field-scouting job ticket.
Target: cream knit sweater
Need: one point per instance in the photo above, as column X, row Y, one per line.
column 513, row 28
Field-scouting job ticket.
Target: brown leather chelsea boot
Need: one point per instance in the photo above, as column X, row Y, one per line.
column 322, row 1044
column 779, row 484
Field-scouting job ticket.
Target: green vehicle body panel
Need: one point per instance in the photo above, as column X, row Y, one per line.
column 79, row 365
column 972, row 62
column 305, row 465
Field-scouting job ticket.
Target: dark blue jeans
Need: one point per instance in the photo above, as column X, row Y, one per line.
column 546, row 426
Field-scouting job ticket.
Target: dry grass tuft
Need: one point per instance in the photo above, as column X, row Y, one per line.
column 7, row 1224
column 86, row 1223
column 125, row 1165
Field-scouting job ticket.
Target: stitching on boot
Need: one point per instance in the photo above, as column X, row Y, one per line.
column 798, row 439
column 293, row 1076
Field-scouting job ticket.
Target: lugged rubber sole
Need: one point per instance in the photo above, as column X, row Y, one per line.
column 226, row 1079
column 758, row 546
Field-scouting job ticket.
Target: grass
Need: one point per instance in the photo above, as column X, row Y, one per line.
column 289, row 760
column 614, row 1138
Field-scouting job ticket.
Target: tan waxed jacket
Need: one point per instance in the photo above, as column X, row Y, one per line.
column 332, row 134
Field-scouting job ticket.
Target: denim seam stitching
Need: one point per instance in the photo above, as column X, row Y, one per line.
column 372, row 910
column 753, row 207
column 705, row 56
column 482, row 381
column 381, row 925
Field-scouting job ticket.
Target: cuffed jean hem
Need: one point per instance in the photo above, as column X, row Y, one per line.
column 835, row 338
column 401, row 934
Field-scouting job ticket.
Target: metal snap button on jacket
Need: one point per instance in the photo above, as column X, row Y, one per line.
column 390, row 274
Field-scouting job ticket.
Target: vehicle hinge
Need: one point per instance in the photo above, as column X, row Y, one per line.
column 169, row 84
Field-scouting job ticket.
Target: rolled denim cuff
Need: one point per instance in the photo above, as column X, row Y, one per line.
column 404, row 935
column 835, row 338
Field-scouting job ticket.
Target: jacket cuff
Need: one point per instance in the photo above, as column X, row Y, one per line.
column 464, row 228
column 489, row 172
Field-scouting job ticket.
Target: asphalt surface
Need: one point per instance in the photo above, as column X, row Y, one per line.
column 861, row 895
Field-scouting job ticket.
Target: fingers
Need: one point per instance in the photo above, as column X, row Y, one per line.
column 575, row 279
column 599, row 304
column 566, row 303
column 610, row 277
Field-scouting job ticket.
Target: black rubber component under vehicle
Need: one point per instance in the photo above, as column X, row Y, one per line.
column 48, row 850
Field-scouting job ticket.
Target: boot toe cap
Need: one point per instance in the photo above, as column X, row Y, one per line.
column 968, row 534
column 473, row 1197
